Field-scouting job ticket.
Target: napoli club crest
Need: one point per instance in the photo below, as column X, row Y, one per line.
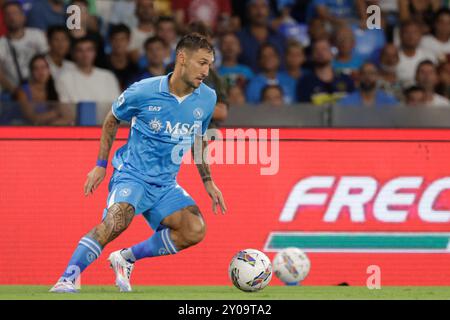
column 125, row 192
column 198, row 113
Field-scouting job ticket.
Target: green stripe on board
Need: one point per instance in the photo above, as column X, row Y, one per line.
column 357, row 241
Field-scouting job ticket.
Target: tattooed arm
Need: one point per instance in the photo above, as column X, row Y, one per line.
column 199, row 149
column 96, row 175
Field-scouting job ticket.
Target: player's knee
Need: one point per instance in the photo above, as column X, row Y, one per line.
column 194, row 231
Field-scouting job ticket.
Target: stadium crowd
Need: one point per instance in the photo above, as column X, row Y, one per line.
column 278, row 52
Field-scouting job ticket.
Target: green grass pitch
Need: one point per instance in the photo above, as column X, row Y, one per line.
column 226, row 293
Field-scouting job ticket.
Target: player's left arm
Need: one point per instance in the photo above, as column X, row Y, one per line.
column 205, row 173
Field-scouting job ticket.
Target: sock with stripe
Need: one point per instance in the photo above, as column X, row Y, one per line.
column 87, row 251
column 159, row 244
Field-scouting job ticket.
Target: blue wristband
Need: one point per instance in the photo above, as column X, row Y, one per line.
column 102, row 163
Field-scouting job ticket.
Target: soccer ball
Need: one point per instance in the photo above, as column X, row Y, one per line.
column 291, row 265
column 250, row 270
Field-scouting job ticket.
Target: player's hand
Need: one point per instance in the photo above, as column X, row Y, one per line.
column 94, row 178
column 216, row 196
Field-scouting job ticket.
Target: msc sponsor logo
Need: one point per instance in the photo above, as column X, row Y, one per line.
column 182, row 128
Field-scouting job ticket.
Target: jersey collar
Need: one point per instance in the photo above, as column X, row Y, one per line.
column 164, row 85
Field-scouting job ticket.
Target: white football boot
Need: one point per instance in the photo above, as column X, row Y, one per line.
column 64, row 286
column 122, row 268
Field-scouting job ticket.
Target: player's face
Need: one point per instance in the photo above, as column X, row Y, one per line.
column 196, row 66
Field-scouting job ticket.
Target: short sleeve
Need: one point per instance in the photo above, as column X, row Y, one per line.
column 126, row 106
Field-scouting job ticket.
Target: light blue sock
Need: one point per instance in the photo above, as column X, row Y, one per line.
column 87, row 251
column 159, row 244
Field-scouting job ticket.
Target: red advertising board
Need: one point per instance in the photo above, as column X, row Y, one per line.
column 349, row 198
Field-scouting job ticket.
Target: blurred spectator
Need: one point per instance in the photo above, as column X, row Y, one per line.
column 414, row 96
column 88, row 29
column 2, row 21
column 145, row 29
column 59, row 46
column 336, row 12
column 389, row 59
column 18, row 46
column 368, row 94
column 46, row 13
column 269, row 61
column 258, row 33
column 443, row 87
column 231, row 71
column 210, row 12
column 287, row 25
column 120, row 12
column 156, row 51
column 163, row 7
column 410, row 54
column 118, row 61
column 438, row 43
column 368, row 42
column 427, row 78
column 390, row 16
column 317, row 30
column 38, row 99
column 346, row 60
column 166, row 29
column 295, row 57
column 272, row 95
column 236, row 96
column 87, row 82
column 421, row 11
column 321, row 85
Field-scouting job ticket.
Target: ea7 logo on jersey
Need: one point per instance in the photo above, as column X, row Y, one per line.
column 182, row 128
column 154, row 108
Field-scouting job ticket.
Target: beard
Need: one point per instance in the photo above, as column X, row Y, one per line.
column 367, row 86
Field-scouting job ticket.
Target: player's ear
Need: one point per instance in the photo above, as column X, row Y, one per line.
column 182, row 57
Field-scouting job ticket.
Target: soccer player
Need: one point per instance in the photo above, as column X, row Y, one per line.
column 168, row 114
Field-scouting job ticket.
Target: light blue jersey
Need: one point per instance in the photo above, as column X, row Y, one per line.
column 162, row 128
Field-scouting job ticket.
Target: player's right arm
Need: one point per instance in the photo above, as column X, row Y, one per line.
column 96, row 175
column 123, row 109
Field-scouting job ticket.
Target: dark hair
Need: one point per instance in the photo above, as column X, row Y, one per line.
column 194, row 41
column 271, row 86
column 50, row 89
column 162, row 19
column 441, row 12
column 85, row 2
column 119, row 28
column 412, row 89
column 265, row 46
column 154, row 39
column 55, row 29
column 12, row 3
column 200, row 28
column 408, row 23
column 77, row 41
column 423, row 63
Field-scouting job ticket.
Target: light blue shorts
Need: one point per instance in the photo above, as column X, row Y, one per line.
column 153, row 201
